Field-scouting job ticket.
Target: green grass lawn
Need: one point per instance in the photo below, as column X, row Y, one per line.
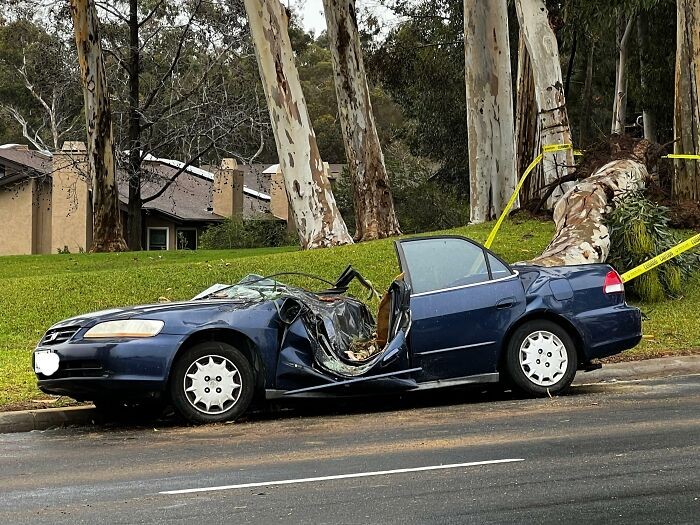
column 37, row 291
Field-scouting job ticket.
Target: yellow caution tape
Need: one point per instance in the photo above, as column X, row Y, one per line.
column 550, row 148
column 553, row 148
column 661, row 258
column 681, row 156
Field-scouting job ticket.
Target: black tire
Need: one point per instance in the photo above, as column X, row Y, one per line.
column 558, row 375
column 221, row 354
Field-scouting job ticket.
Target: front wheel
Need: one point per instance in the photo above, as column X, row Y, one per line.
column 212, row 382
column 541, row 358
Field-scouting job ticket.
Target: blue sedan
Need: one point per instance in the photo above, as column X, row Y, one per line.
column 457, row 314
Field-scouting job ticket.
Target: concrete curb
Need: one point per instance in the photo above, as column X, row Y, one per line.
column 646, row 369
column 43, row 419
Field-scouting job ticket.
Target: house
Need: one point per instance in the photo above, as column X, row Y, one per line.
column 46, row 200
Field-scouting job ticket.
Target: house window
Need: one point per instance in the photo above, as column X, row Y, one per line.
column 158, row 239
column 186, row 238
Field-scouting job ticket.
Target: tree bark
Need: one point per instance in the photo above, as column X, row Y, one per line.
column 620, row 101
column 107, row 231
column 134, row 234
column 581, row 236
column 315, row 212
column 553, row 119
column 686, row 122
column 375, row 217
column 492, row 175
column 526, row 136
column 648, row 117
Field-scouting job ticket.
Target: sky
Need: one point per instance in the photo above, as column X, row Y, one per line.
column 312, row 15
column 312, row 12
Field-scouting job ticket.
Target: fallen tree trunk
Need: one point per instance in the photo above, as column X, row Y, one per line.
column 581, row 236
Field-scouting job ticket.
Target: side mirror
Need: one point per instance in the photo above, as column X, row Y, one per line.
column 289, row 311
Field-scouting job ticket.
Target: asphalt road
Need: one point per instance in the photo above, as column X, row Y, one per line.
column 624, row 452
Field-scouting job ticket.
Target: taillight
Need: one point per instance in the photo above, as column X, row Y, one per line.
column 613, row 283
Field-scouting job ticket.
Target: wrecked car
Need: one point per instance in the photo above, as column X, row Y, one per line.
column 457, row 314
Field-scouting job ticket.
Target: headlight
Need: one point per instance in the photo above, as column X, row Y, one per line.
column 126, row 328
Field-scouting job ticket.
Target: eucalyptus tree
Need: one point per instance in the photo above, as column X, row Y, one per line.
column 375, row 217
column 107, row 230
column 492, row 174
column 552, row 116
column 314, row 210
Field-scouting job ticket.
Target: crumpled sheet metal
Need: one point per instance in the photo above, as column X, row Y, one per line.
column 336, row 324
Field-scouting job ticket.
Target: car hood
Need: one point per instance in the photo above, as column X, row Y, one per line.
column 152, row 311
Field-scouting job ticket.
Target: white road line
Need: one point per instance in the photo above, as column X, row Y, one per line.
column 342, row 476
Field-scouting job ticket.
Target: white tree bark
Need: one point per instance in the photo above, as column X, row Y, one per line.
column 492, row 175
column 553, row 119
column 686, row 121
column 316, row 214
column 620, row 100
column 375, row 217
column 107, row 230
column 581, row 236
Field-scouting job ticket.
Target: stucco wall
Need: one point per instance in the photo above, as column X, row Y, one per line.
column 16, row 219
column 42, row 216
column 71, row 213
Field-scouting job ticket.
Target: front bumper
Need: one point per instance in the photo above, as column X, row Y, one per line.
column 90, row 369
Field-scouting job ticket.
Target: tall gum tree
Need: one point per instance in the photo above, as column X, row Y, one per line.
column 492, row 175
column 375, row 217
column 686, row 122
column 318, row 221
column 552, row 117
column 107, row 230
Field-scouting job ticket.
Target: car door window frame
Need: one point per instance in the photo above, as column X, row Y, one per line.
column 405, row 269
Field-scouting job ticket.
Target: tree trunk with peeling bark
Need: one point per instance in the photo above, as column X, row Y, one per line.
column 375, row 217
column 107, row 230
column 553, row 120
column 620, row 100
column 686, row 121
column 526, row 137
column 581, row 236
column 315, row 212
column 492, row 176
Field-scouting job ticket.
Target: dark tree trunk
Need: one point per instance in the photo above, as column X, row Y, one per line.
column 134, row 131
column 107, row 231
column 648, row 117
column 587, row 97
column 570, row 68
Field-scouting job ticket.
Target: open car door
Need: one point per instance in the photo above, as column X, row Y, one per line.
column 463, row 300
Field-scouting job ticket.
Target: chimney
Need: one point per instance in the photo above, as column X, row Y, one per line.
column 227, row 197
column 279, row 204
column 71, row 203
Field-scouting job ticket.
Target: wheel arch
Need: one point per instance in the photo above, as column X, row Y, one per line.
column 232, row 337
column 543, row 315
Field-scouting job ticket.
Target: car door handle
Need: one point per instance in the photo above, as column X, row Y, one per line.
column 508, row 302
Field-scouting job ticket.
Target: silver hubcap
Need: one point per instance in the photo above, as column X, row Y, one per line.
column 543, row 358
column 212, row 384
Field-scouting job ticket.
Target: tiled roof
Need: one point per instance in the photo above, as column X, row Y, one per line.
column 189, row 198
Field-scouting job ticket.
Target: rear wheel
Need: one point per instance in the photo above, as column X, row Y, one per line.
column 541, row 358
column 211, row 382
